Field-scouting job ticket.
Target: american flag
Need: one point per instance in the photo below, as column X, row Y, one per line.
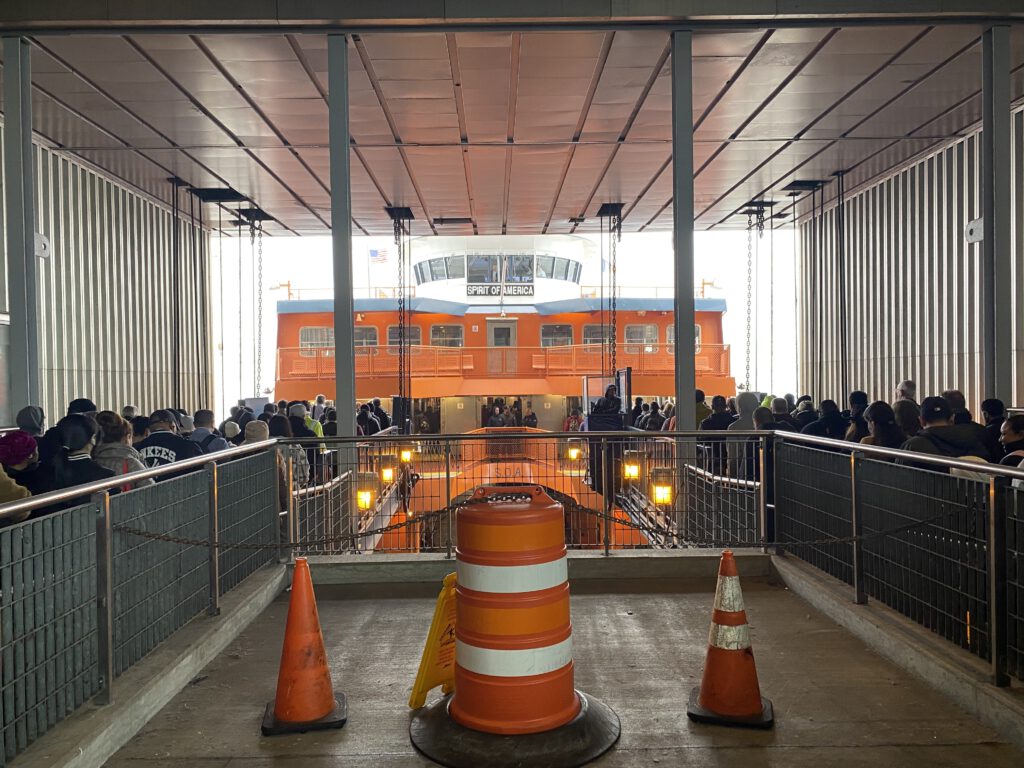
column 378, row 256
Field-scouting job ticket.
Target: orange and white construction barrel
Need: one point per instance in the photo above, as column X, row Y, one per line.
column 513, row 657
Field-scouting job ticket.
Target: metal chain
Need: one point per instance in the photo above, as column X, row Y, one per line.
column 259, row 312
column 571, row 507
column 710, row 542
column 750, row 282
column 616, row 235
column 252, row 250
column 400, row 244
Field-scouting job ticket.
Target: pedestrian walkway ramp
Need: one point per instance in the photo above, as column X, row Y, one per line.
column 640, row 647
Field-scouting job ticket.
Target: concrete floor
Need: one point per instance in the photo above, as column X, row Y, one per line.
column 836, row 703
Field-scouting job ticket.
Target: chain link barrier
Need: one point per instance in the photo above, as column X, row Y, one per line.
column 750, row 287
column 683, row 542
column 616, row 235
column 259, row 311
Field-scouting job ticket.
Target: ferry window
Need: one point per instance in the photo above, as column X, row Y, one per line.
column 363, row 336
column 596, row 334
column 421, row 274
column 555, row 335
column 519, row 269
column 575, row 270
column 545, row 266
column 670, row 337
column 561, row 269
column 437, row 270
column 314, row 338
column 413, row 334
column 481, row 269
column 642, row 334
column 456, row 267
column 446, row 335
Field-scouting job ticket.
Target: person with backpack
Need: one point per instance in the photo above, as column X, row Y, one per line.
column 205, row 434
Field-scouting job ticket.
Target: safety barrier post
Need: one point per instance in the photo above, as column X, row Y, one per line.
column 448, row 497
column 104, row 599
column 997, row 607
column 860, row 594
column 762, row 490
column 291, row 510
column 213, row 609
column 607, row 467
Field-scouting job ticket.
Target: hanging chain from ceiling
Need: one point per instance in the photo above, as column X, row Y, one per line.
column 614, row 236
column 252, row 280
column 259, row 311
column 750, row 291
column 402, row 230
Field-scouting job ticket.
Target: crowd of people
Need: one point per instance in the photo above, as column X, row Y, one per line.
column 940, row 424
column 88, row 444
column 514, row 414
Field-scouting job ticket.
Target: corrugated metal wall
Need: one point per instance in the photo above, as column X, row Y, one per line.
column 107, row 295
column 912, row 282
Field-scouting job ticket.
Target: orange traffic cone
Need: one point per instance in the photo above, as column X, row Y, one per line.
column 729, row 693
column 305, row 699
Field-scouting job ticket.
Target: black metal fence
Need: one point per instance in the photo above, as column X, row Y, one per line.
column 938, row 540
column 87, row 592
column 83, row 597
column 620, row 491
column 48, row 639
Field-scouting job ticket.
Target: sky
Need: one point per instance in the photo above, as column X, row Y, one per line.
column 305, row 262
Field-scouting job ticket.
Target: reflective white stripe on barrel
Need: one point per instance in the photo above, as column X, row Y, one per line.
column 515, row 663
column 729, row 638
column 511, row 579
column 728, row 595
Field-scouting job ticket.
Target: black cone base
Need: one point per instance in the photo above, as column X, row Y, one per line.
column 336, row 718
column 585, row 738
column 698, row 714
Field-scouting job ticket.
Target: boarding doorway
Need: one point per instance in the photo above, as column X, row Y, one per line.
column 501, row 341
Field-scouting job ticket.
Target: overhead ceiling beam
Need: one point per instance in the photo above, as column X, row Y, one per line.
column 120, row 106
column 460, row 110
column 307, row 67
column 595, row 79
column 510, row 126
column 875, row 112
column 626, row 127
column 371, row 74
column 192, row 99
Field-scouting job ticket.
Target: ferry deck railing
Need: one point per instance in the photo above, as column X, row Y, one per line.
column 657, row 359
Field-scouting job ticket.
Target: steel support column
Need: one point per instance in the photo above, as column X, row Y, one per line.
column 19, row 206
column 682, row 225
column 341, row 233
column 997, row 329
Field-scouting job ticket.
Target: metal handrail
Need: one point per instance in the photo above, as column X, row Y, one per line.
column 312, row 490
column 129, row 478
column 747, row 485
column 907, row 456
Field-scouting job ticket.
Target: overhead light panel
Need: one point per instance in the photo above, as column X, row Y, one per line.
column 399, row 213
column 442, row 221
column 804, row 185
column 218, row 195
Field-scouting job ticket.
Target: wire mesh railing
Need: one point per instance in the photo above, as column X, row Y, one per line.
column 87, row 592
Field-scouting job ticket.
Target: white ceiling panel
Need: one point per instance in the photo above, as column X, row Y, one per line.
column 249, row 111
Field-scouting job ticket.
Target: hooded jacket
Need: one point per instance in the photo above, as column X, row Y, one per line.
column 830, row 425
column 955, row 441
column 743, row 455
column 120, row 458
